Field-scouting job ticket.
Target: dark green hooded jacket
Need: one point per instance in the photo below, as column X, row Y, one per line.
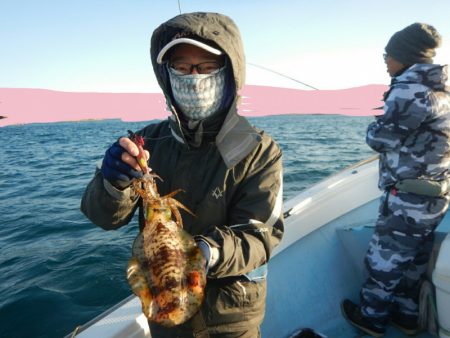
column 231, row 173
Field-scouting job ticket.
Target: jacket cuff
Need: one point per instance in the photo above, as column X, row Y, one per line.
column 116, row 193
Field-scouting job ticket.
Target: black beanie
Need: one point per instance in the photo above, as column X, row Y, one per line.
column 414, row 44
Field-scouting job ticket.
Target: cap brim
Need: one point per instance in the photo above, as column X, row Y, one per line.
column 193, row 42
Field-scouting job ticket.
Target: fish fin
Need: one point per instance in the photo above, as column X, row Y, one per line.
column 138, row 283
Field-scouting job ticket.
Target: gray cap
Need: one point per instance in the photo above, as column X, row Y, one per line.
column 414, row 44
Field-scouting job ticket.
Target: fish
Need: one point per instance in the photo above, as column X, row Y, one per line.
column 167, row 270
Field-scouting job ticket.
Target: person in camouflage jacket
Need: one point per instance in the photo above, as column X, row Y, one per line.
column 412, row 139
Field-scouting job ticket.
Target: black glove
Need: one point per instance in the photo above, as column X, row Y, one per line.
column 117, row 172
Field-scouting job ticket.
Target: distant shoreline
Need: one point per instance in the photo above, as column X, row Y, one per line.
column 24, row 106
column 156, row 119
column 76, row 121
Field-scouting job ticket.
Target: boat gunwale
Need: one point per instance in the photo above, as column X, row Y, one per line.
column 80, row 328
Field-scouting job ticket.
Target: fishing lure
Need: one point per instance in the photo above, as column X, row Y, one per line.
column 138, row 140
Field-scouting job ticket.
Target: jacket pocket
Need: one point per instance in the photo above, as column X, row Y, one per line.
column 238, row 304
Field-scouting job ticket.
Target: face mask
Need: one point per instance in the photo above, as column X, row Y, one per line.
column 198, row 95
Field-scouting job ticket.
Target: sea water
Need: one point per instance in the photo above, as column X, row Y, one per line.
column 58, row 270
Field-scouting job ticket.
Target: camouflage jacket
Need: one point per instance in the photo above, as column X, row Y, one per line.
column 412, row 136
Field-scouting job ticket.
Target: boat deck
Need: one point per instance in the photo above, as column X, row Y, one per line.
column 323, row 268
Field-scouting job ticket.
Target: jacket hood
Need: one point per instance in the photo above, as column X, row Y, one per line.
column 430, row 75
column 214, row 27
column 236, row 137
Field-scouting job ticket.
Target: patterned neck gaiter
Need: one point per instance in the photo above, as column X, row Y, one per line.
column 198, row 95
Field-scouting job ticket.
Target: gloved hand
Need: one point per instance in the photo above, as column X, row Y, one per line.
column 115, row 170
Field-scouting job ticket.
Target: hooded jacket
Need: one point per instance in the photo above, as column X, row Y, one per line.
column 413, row 135
column 231, row 174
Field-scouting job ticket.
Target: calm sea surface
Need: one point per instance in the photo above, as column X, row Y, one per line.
column 58, row 270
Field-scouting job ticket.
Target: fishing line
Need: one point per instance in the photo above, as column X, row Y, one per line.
column 268, row 69
column 281, row 74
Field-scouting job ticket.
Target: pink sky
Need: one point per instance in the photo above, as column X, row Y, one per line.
column 21, row 106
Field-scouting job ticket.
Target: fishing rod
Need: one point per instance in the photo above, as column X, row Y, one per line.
column 281, row 74
column 268, row 69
